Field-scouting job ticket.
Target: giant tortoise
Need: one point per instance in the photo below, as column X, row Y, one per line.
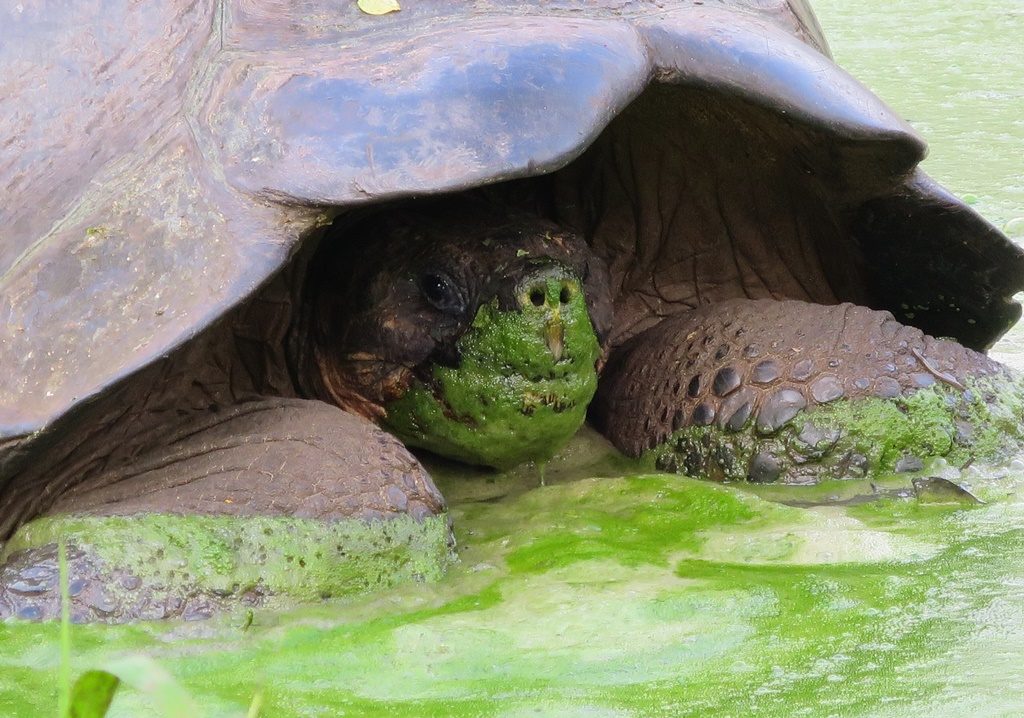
column 241, row 237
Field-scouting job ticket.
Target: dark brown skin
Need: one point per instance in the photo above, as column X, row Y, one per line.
column 693, row 197
column 377, row 313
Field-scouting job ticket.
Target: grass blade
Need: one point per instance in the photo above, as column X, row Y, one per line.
column 64, row 675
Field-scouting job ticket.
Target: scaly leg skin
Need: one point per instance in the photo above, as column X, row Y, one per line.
column 278, row 497
column 788, row 391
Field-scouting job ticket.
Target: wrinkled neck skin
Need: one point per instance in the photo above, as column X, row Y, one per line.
column 366, row 331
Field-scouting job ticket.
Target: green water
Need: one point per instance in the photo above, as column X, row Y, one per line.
column 655, row 595
column 956, row 70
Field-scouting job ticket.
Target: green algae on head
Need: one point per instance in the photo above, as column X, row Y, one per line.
column 524, row 380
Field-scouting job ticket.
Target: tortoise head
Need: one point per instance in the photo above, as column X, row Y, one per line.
column 473, row 332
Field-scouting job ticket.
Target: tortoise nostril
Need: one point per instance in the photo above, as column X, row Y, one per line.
column 546, row 287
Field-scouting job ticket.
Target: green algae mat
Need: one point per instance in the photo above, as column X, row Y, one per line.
column 641, row 595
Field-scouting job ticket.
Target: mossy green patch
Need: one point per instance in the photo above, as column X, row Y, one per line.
column 521, row 390
column 984, row 424
column 862, row 437
column 300, row 558
column 718, row 603
column 617, row 528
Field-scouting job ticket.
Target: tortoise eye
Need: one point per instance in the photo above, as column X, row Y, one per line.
column 442, row 293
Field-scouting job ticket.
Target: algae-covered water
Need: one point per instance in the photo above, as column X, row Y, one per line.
column 656, row 595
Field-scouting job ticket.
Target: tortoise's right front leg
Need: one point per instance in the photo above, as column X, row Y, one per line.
column 276, row 497
column 795, row 392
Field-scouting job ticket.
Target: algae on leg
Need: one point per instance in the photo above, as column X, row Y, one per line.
column 858, row 438
column 163, row 565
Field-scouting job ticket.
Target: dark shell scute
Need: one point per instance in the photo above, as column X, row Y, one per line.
column 703, row 415
column 678, row 420
column 922, row 380
column 739, row 417
column 693, row 388
column 736, row 410
column 779, row 409
column 727, row 380
column 802, row 370
column 887, row 388
column 813, row 441
column 826, row 388
column 765, row 372
column 764, row 468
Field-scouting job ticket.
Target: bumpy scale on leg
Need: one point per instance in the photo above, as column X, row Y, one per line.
column 783, row 390
column 271, row 497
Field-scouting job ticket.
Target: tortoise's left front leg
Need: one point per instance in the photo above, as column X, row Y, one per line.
column 795, row 392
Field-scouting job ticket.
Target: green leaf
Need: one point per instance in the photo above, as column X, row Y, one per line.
column 95, row 689
column 92, row 694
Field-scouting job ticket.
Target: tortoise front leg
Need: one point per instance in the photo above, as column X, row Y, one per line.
column 274, row 497
column 766, row 390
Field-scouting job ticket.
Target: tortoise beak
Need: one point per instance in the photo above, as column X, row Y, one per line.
column 554, row 335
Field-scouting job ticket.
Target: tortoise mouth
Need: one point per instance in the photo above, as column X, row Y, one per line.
column 554, row 393
column 512, row 398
